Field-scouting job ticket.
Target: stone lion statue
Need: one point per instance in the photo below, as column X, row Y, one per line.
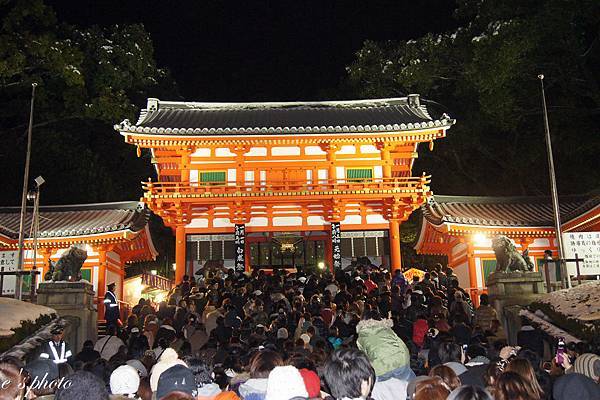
column 68, row 267
column 507, row 256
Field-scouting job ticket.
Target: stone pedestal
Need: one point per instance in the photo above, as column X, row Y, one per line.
column 73, row 301
column 510, row 290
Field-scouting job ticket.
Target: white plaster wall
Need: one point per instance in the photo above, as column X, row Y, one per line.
column 257, row 151
column 202, row 152
column 352, row 219
column 376, row 219
column 313, row 151
column 368, row 149
column 222, row 223
column 340, row 172
column 224, row 152
column 347, row 150
column 479, row 272
column 540, row 243
column 315, row 220
column 95, row 278
column 377, row 171
column 322, row 174
column 287, row 221
column 249, row 177
column 198, row 223
column 194, row 175
column 258, row 221
column 231, row 176
column 285, row 151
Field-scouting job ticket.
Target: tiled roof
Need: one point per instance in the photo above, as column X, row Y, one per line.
column 77, row 220
column 357, row 116
column 504, row 211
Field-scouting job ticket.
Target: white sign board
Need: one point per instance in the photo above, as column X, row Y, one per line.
column 8, row 260
column 587, row 246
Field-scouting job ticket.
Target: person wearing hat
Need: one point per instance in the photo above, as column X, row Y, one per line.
column 111, row 306
column 56, row 349
column 125, row 381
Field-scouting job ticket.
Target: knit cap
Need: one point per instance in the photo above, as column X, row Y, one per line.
column 284, row 383
column 588, row 364
column 178, row 378
column 311, row 382
column 124, row 380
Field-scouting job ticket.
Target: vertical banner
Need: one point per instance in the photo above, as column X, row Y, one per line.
column 336, row 241
column 240, row 246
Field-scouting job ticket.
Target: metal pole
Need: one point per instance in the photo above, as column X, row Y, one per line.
column 555, row 205
column 19, row 278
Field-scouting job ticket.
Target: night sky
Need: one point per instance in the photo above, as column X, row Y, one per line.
column 258, row 50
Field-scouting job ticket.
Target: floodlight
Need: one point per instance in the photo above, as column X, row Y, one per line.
column 39, row 181
column 321, row 265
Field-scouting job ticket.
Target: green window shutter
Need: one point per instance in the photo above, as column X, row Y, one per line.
column 86, row 273
column 359, row 173
column 212, row 177
column 489, row 266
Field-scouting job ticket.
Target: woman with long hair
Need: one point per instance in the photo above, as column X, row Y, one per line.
column 512, row 386
column 523, row 367
column 447, row 374
column 433, row 388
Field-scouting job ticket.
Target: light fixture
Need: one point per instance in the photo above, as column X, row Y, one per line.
column 174, row 266
column 153, row 272
column 321, row 265
column 39, row 181
column 479, row 239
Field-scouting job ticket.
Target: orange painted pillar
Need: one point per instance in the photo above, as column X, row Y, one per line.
column 179, row 253
column 474, row 291
column 45, row 252
column 387, row 167
column 102, row 266
column 395, row 254
column 472, row 266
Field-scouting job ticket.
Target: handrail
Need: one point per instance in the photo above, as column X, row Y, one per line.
column 182, row 188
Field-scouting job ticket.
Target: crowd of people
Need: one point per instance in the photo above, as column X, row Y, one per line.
column 363, row 334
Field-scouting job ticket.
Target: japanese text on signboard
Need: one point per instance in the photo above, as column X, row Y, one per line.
column 239, row 241
column 587, row 246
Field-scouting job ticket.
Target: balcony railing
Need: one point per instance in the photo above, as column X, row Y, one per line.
column 397, row 185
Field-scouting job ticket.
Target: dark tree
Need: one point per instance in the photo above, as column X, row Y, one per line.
column 485, row 73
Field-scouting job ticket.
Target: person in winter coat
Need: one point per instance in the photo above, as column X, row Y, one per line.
column 485, row 314
column 203, row 374
column 389, row 357
column 261, row 365
column 109, row 344
column 194, row 332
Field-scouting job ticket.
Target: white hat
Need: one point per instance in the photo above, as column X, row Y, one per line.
column 168, row 359
column 137, row 364
column 282, row 333
column 124, row 380
column 302, row 279
column 257, row 293
column 285, row 383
